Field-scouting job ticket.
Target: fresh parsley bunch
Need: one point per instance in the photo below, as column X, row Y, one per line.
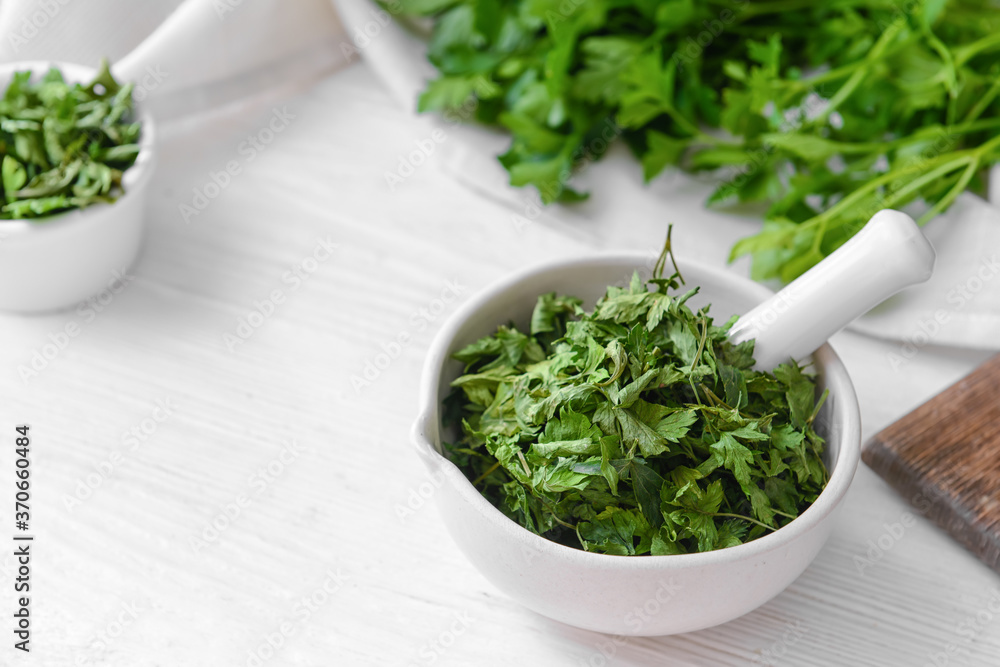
column 64, row 146
column 635, row 428
column 824, row 111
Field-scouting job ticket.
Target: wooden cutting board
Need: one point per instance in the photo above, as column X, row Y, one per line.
column 944, row 458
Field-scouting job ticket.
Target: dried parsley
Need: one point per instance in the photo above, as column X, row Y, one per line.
column 637, row 427
column 64, row 146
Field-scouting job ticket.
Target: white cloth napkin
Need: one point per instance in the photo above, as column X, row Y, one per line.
column 959, row 305
column 186, row 56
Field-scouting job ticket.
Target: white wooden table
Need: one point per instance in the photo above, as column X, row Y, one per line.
column 200, row 501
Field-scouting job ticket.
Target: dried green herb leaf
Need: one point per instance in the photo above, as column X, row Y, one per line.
column 600, row 431
column 64, row 146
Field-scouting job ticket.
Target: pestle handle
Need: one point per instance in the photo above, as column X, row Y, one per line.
column 887, row 255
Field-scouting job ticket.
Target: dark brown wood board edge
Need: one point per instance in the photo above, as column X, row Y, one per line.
column 929, row 490
column 944, row 510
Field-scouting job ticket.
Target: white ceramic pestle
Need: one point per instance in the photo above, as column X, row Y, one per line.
column 887, row 255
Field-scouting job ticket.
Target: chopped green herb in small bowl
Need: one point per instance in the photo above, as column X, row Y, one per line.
column 607, row 458
column 75, row 160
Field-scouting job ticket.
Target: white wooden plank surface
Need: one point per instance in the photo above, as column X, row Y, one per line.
column 119, row 581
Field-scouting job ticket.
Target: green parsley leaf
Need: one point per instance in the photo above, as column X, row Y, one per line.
column 822, row 112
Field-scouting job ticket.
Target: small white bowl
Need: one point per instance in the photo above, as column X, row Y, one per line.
column 626, row 595
column 54, row 262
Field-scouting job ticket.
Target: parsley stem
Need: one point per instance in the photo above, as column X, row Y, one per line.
column 838, row 73
column 978, row 155
column 818, row 238
column 486, row 473
column 913, row 186
column 985, row 149
column 953, row 193
column 984, row 101
column 957, row 159
column 701, row 343
column 524, row 463
column 690, row 127
column 946, row 75
column 667, row 252
column 713, row 398
column 697, row 398
column 740, row 516
column 819, row 405
column 859, row 74
column 548, row 506
column 782, row 6
column 965, row 53
column 949, row 132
